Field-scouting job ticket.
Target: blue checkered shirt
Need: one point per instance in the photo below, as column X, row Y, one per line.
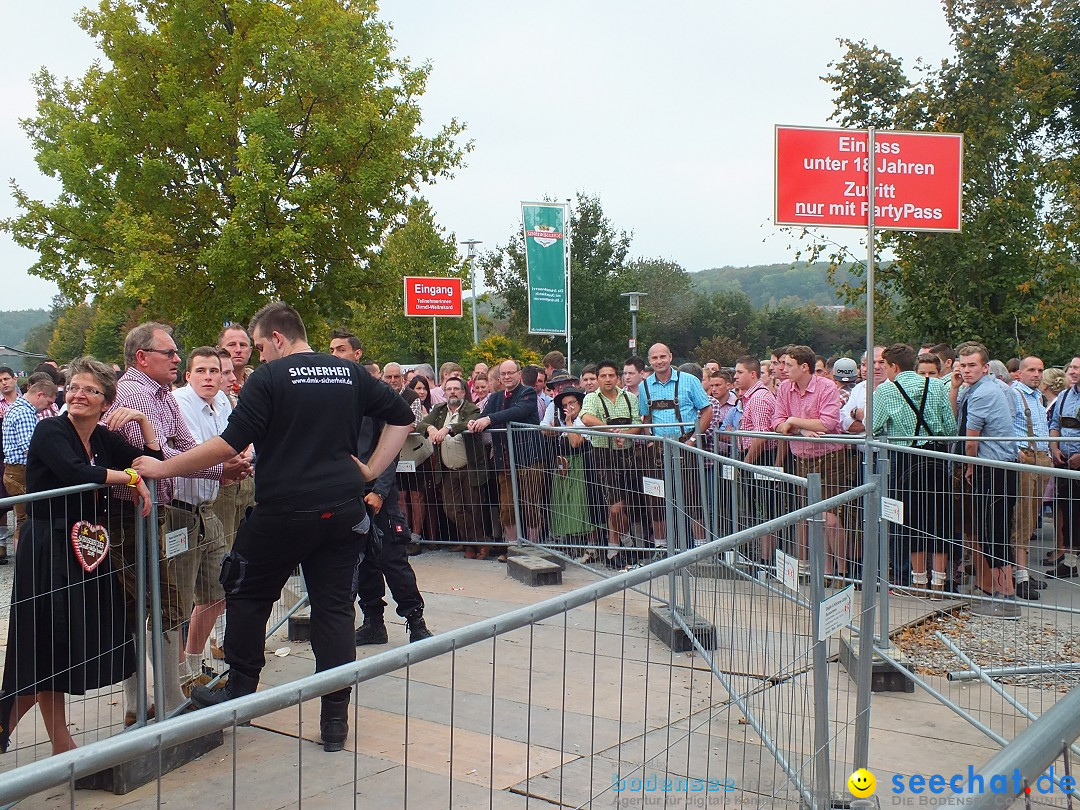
column 19, row 423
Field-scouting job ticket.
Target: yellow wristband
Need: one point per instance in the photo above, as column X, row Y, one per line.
column 135, row 477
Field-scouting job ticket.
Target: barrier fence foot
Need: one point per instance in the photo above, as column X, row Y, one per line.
column 300, row 625
column 142, row 770
column 884, row 677
column 541, row 553
column 842, row 801
column 662, row 624
column 533, row 570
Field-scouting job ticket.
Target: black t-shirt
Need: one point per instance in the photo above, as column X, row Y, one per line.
column 302, row 412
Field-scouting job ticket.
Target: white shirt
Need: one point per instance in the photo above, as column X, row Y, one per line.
column 856, row 401
column 204, row 422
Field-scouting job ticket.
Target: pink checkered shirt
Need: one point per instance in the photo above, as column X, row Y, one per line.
column 758, row 406
column 820, row 400
column 135, row 390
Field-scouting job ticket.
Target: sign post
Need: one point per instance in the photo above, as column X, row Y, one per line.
column 428, row 297
column 911, row 181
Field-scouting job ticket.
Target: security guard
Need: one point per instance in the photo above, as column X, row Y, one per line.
column 302, row 410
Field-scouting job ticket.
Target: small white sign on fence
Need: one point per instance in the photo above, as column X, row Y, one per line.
column 835, row 613
column 892, row 510
column 728, row 472
column 763, row 476
column 787, row 570
column 176, row 542
column 652, row 486
column 406, row 466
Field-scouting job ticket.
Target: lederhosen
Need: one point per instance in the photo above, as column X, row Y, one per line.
column 924, row 485
column 691, row 481
column 1067, row 490
column 617, row 466
column 653, row 453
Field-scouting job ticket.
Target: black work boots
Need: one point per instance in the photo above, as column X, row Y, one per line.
column 373, row 630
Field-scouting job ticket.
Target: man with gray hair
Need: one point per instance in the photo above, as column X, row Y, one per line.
column 152, row 360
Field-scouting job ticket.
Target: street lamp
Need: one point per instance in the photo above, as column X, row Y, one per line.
column 635, row 305
column 472, row 243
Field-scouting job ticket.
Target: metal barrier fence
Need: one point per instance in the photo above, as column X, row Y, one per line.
column 765, row 658
column 990, row 617
column 569, row 701
column 89, row 624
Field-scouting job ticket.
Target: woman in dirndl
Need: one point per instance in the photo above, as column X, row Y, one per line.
column 67, row 632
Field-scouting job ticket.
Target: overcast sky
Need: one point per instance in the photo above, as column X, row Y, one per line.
column 664, row 110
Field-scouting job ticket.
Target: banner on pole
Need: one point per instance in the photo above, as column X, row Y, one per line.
column 545, row 266
column 821, row 179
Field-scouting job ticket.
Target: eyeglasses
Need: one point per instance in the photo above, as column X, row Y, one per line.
column 79, row 389
column 170, row 353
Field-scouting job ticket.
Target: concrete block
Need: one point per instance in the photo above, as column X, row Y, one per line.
column 533, row 571
column 127, row 776
column 663, row 625
column 885, row 678
column 300, row 625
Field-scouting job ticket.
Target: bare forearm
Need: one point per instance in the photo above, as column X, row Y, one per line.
column 208, row 454
column 390, row 441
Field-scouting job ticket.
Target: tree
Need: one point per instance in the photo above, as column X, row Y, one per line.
column 417, row 247
column 230, row 152
column 1010, row 278
column 494, row 349
column 598, row 272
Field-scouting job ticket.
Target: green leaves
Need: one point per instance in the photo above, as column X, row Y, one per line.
column 1011, row 88
column 230, row 153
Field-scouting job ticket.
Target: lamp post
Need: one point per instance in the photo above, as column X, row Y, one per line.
column 635, row 305
column 472, row 243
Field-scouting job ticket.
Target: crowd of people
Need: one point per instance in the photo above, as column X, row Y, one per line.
column 245, row 459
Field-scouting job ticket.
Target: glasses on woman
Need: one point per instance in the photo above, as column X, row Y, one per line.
column 87, row 390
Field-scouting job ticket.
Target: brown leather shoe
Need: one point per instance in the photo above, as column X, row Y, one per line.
column 129, row 716
column 483, row 552
column 470, row 553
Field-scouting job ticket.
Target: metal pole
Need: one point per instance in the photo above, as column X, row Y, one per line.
column 883, row 529
column 435, row 342
column 864, row 675
column 515, row 487
column 670, row 518
column 472, row 243
column 822, row 777
column 157, row 637
column 140, row 611
column 633, row 330
column 569, row 273
column 682, row 516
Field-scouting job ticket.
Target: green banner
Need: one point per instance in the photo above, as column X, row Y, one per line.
column 545, row 267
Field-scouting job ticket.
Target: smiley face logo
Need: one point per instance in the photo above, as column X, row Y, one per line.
column 862, row 784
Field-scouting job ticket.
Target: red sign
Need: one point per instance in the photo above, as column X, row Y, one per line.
column 432, row 297
column 821, row 179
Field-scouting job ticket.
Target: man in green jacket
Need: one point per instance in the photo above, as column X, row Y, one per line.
column 460, row 463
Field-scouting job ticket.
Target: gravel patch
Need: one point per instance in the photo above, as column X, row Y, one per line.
column 1036, row 638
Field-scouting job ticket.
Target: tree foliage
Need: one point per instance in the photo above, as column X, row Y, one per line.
column 1012, row 88
column 227, row 152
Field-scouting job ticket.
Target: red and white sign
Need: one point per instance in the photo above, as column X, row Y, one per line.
column 821, row 179
column 432, row 297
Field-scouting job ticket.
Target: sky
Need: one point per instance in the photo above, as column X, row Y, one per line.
column 665, row 111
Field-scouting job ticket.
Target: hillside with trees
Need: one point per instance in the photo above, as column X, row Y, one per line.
column 791, row 284
column 16, row 323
